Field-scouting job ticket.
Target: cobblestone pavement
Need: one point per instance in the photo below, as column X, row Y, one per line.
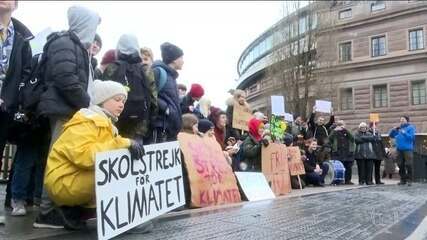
column 380, row 212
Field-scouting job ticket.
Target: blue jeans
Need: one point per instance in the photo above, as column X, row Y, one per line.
column 26, row 157
column 315, row 178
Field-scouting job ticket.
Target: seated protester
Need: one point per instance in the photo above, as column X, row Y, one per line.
column 219, row 119
column 288, row 140
column 70, row 173
column 315, row 171
column 189, row 124
column 319, row 130
column 182, row 90
column 206, row 128
column 252, row 145
column 187, row 102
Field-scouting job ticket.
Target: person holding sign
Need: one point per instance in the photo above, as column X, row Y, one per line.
column 318, row 129
column 342, row 144
column 379, row 150
column 252, row 145
column 70, row 174
column 239, row 97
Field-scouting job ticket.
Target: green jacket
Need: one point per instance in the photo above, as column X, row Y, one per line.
column 252, row 153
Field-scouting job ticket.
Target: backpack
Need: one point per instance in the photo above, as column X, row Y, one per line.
column 163, row 77
column 31, row 89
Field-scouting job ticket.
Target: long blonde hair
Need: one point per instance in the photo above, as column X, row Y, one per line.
column 204, row 106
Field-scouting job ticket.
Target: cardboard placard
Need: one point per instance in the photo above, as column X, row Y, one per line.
column 131, row 192
column 211, row 178
column 278, row 105
column 374, row 117
column 255, row 186
column 241, row 117
column 276, row 169
column 296, row 166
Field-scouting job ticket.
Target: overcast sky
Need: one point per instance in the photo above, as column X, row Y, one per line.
column 211, row 34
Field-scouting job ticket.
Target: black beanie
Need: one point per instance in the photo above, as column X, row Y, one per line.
column 205, row 125
column 406, row 117
column 170, row 52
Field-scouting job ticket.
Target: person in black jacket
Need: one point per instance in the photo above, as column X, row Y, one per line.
column 319, row 130
column 342, row 144
column 168, row 121
column 128, row 70
column 364, row 153
column 315, row 171
column 379, row 150
column 187, row 102
column 69, row 83
column 15, row 68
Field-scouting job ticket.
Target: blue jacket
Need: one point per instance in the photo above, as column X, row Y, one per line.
column 168, row 98
column 405, row 137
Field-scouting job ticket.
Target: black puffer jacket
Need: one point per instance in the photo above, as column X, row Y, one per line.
column 378, row 145
column 364, row 145
column 168, row 98
column 19, row 66
column 66, row 75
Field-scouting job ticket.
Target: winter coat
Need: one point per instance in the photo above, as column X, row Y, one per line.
column 137, row 111
column 19, row 67
column 378, row 145
column 320, row 133
column 364, row 145
column 67, row 68
column 70, row 175
column 66, row 77
column 252, row 153
column 405, row 137
column 342, row 144
column 168, row 98
column 310, row 162
column 187, row 102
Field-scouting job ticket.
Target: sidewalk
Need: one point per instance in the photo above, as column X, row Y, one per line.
column 21, row 227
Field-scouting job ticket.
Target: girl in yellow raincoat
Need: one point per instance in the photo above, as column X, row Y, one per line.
column 70, row 175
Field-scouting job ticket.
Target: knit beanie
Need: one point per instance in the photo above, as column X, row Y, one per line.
column 205, row 125
column 170, row 52
column 196, row 91
column 109, row 57
column 105, row 90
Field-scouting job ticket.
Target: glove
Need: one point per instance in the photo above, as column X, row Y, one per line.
column 136, row 149
column 265, row 142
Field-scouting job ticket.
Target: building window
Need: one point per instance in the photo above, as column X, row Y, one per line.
column 378, row 46
column 380, row 96
column 345, row 52
column 377, row 6
column 419, row 92
column 253, row 88
column 302, row 26
column 346, row 99
column 416, row 39
column 344, row 14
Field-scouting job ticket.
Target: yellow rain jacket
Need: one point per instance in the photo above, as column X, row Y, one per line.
column 70, row 175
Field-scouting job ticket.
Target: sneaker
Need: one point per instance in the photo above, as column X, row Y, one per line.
column 18, row 208
column 50, row 220
column 71, row 218
column 349, row 183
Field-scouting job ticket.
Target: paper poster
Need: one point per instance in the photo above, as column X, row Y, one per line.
column 241, row 117
column 278, row 105
column 131, row 192
column 255, row 186
column 323, row 106
column 374, row 117
column 211, row 178
column 289, row 117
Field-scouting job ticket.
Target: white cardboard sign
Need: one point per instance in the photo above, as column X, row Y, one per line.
column 278, row 105
column 131, row 192
column 289, row 117
column 323, row 106
column 255, row 186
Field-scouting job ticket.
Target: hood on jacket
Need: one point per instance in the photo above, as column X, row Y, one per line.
column 128, row 44
column 254, row 124
column 166, row 67
column 22, row 29
column 83, row 22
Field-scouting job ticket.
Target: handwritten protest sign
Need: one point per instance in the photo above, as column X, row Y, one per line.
column 254, row 185
column 278, row 105
column 275, row 168
column 323, row 106
column 131, row 192
column 241, row 117
column 289, row 117
column 296, row 166
column 374, row 117
column 211, row 178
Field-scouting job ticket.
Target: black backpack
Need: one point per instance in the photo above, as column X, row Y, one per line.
column 31, row 89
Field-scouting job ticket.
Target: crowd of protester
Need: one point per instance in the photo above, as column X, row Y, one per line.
column 129, row 101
